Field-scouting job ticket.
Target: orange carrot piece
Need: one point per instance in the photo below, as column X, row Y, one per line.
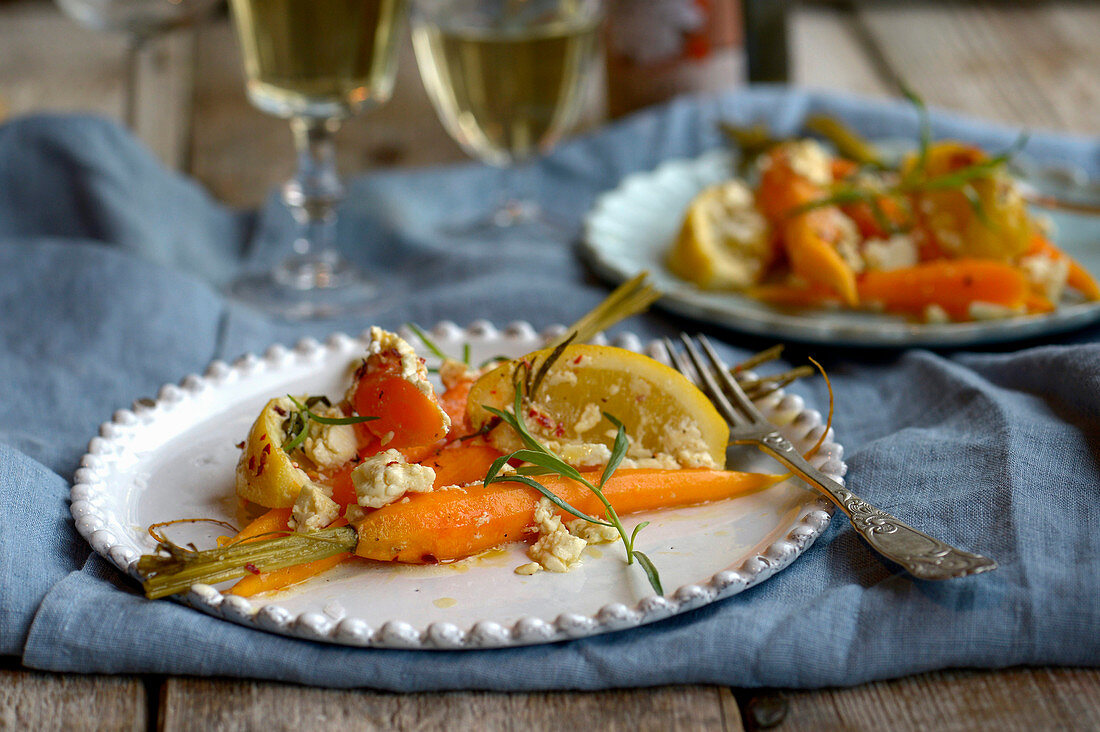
column 809, row 240
column 406, row 417
column 952, row 284
column 781, row 189
column 253, row 584
column 457, row 523
column 277, row 579
column 461, row 464
column 791, row 295
column 266, row 523
column 453, row 401
column 1037, row 303
column 870, row 227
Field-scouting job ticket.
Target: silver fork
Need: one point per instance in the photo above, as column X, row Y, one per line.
column 916, row 552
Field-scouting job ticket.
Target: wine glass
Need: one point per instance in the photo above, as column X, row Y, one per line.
column 508, row 78
column 316, row 63
column 141, row 21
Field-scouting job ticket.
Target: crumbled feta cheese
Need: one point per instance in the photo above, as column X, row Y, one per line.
column 979, row 310
column 354, row 514
column 561, row 376
column 559, row 547
column 894, row 253
column 452, row 373
column 313, row 510
column 329, row 445
column 590, row 417
column 936, row 314
column 593, row 533
column 808, row 159
column 847, row 242
column 556, row 549
column 387, row 476
column 1047, row 274
column 684, row 442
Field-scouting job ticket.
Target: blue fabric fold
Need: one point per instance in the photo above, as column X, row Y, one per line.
column 110, row 289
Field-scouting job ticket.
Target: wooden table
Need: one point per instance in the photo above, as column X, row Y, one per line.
column 1035, row 65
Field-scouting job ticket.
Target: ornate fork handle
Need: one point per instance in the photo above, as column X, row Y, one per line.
column 918, row 553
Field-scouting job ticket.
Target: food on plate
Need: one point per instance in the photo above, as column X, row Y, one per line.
column 944, row 235
column 551, row 448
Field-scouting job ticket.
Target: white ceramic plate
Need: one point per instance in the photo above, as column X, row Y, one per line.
column 631, row 228
column 174, row 457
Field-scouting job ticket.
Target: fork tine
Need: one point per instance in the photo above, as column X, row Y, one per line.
column 682, row 365
column 729, row 384
column 714, row 391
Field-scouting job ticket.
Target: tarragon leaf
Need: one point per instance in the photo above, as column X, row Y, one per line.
column 618, row 450
column 650, row 572
column 550, row 495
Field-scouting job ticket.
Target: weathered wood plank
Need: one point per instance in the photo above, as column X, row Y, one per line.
column 827, row 53
column 39, row 701
column 1014, row 700
column 159, row 104
column 1030, row 64
column 237, row 705
column 50, row 63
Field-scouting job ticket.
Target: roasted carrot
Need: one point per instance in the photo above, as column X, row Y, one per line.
column 452, row 524
column 266, row 523
column 810, row 239
column 453, row 401
column 406, row 416
column 952, row 284
column 257, row 582
column 786, row 295
column 874, row 225
column 461, row 464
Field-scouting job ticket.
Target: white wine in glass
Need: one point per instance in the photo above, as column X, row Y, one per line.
column 315, row 62
column 507, row 77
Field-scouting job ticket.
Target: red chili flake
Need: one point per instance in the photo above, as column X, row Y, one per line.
column 252, row 462
column 266, row 450
column 279, row 410
column 251, row 568
column 578, row 359
column 240, row 445
column 391, row 462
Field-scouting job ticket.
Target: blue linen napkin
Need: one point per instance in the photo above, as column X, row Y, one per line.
column 106, row 295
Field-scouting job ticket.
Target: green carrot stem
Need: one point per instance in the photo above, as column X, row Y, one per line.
column 177, row 568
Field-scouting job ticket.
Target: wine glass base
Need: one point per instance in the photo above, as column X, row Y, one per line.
column 519, row 216
column 309, row 289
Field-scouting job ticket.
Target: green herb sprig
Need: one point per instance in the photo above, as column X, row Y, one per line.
column 300, row 420
column 435, row 349
column 544, row 462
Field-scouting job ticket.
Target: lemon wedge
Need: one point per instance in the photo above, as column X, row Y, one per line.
column 724, row 242
column 662, row 411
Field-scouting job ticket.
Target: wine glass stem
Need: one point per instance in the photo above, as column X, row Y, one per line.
column 312, row 197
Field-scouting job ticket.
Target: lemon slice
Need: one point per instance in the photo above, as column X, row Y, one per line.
column 724, row 241
column 663, row 413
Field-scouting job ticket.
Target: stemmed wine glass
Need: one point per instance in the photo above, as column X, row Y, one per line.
column 315, row 62
column 508, row 78
column 141, row 21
